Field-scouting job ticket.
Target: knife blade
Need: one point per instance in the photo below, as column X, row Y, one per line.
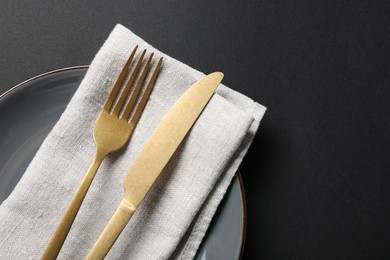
column 154, row 156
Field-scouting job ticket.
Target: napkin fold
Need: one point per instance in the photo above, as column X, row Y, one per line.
column 174, row 216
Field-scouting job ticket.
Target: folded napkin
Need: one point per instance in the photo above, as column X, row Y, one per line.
column 175, row 214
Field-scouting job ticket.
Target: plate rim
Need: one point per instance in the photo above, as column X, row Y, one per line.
column 238, row 173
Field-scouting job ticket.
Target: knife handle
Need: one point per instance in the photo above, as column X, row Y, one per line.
column 57, row 240
column 111, row 232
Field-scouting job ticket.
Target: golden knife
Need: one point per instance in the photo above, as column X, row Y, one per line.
column 154, row 156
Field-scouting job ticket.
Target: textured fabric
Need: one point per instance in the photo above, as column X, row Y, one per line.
column 175, row 214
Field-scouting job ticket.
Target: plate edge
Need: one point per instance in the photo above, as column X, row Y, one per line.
column 244, row 213
column 42, row 75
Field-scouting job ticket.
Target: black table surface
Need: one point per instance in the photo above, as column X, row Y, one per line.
column 316, row 178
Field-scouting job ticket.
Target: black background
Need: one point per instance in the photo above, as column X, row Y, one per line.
column 317, row 175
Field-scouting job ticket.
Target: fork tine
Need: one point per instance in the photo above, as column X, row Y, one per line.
column 145, row 97
column 119, row 82
column 129, row 84
column 130, row 106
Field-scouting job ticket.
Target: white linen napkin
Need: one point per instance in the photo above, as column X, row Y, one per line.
column 175, row 214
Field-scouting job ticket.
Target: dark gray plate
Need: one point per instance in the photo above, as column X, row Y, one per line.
column 29, row 111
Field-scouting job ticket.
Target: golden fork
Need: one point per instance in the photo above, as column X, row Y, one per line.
column 112, row 131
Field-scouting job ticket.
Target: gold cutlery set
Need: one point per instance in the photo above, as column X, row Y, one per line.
column 112, row 132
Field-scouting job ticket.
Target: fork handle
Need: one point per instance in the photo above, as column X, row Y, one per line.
column 111, row 232
column 57, row 240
